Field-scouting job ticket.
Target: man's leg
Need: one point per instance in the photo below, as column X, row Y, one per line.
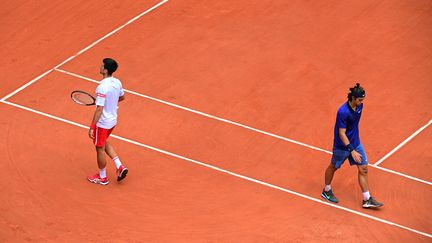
column 99, row 137
column 368, row 201
column 101, row 160
column 100, row 178
column 109, row 149
column 329, row 174
column 327, row 192
column 121, row 169
column 363, row 178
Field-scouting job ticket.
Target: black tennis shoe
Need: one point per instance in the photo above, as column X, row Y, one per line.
column 372, row 203
column 329, row 196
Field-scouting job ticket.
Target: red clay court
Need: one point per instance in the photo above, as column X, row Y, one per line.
column 227, row 125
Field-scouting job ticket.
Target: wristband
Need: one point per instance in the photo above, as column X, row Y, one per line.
column 93, row 126
column 350, row 147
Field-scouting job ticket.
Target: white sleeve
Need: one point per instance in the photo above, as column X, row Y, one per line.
column 121, row 90
column 100, row 96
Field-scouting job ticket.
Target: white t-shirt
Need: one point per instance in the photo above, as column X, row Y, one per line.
column 107, row 95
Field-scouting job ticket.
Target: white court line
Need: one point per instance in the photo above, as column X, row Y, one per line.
column 227, row 172
column 203, row 114
column 403, row 143
column 181, row 107
column 3, row 100
column 26, row 85
column 83, row 50
column 401, row 174
column 241, row 125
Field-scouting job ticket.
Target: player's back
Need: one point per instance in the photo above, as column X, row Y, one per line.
column 113, row 92
column 108, row 93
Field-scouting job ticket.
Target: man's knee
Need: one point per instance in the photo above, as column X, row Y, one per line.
column 331, row 167
column 100, row 149
column 363, row 170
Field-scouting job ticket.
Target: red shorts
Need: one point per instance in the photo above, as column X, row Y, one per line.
column 100, row 136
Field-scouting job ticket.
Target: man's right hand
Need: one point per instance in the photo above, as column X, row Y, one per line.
column 90, row 133
column 356, row 156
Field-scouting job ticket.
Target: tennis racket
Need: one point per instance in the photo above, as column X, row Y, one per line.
column 82, row 98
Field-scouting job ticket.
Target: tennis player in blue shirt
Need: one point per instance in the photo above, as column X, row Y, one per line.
column 347, row 145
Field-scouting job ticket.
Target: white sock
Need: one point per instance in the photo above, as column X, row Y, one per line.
column 102, row 173
column 117, row 162
column 366, row 195
column 327, row 188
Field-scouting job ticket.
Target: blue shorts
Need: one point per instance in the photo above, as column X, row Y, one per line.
column 340, row 155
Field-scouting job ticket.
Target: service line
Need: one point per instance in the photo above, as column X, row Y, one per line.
column 241, row 125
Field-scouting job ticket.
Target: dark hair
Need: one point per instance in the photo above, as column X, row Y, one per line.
column 356, row 92
column 110, row 65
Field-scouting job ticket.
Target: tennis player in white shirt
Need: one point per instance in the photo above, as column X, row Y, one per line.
column 108, row 93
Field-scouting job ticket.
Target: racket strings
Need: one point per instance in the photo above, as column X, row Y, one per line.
column 82, row 98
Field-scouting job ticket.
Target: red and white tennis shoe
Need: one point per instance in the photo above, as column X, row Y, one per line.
column 122, row 172
column 98, row 180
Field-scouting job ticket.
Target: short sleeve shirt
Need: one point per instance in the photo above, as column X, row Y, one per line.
column 107, row 95
column 349, row 119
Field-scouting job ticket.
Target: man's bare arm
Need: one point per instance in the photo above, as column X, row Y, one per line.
column 96, row 116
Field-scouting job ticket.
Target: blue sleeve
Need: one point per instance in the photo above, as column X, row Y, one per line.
column 341, row 119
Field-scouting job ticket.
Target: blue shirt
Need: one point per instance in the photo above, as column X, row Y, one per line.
column 349, row 119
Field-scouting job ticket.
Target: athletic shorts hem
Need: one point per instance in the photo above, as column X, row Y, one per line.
column 101, row 135
column 339, row 156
